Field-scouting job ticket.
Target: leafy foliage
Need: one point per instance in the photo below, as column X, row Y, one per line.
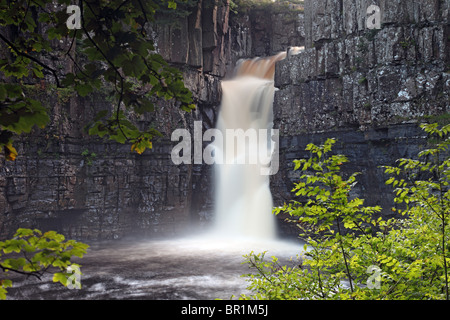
column 33, row 253
column 114, row 51
column 350, row 254
column 422, row 186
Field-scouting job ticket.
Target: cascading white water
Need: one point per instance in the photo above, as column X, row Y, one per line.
column 243, row 197
column 199, row 266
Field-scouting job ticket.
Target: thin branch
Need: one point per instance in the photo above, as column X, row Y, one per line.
column 260, row 270
column 40, row 6
column 71, row 43
column 146, row 19
column 160, row 79
column 344, row 256
column 95, row 44
column 78, row 67
column 72, row 59
column 320, row 284
column 120, row 6
column 396, row 284
column 110, row 63
column 24, row 16
column 23, row 54
column 97, row 17
column 34, row 273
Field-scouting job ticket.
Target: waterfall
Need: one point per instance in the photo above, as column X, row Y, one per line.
column 243, row 197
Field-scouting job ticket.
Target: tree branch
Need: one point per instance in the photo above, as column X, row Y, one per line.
column 116, row 70
column 344, row 256
column 34, row 273
column 72, row 59
column 145, row 17
column 120, row 6
column 26, row 55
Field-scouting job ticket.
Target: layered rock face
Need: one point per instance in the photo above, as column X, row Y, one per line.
column 366, row 87
column 358, row 77
column 87, row 188
column 266, row 31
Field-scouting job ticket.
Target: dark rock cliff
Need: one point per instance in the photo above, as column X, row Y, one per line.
column 88, row 188
column 366, row 88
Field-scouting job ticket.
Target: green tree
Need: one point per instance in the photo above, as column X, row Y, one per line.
column 114, row 50
column 351, row 254
column 33, row 253
column 422, row 187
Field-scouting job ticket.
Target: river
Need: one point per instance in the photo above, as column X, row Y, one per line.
column 193, row 268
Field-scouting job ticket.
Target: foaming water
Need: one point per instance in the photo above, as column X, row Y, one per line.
column 243, row 197
column 201, row 267
column 209, row 265
column 243, row 201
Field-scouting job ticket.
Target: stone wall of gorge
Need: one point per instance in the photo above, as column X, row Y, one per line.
column 368, row 88
column 87, row 188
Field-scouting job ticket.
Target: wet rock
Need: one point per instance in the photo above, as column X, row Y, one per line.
column 387, row 75
column 364, row 87
column 353, row 79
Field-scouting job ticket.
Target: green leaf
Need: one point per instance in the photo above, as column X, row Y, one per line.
column 12, row 245
column 144, row 105
column 83, row 89
column 390, row 181
column 3, row 285
column 68, row 80
column 141, row 145
column 100, row 115
column 10, row 152
column 22, row 232
column 138, row 65
column 53, row 235
column 172, row 4
column 61, row 277
column 15, row 264
column 38, row 72
column 13, row 90
column 6, row 283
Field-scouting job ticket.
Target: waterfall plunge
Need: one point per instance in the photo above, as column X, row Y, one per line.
column 243, row 197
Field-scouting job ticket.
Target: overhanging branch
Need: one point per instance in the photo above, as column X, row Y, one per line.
column 26, row 55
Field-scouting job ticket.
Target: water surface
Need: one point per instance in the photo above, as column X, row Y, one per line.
column 195, row 268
